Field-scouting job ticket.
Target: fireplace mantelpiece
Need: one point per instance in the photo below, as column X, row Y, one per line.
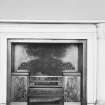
column 55, row 31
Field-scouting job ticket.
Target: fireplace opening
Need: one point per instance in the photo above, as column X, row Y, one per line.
column 46, row 73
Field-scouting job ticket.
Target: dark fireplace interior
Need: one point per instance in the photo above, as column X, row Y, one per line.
column 46, row 73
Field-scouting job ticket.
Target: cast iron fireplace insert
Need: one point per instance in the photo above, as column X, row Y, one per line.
column 46, row 73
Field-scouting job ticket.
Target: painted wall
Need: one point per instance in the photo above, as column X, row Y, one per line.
column 52, row 9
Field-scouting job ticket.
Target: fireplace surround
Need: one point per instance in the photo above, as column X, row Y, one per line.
column 87, row 34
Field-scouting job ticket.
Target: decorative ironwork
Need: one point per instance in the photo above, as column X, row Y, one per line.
column 72, row 89
column 19, row 88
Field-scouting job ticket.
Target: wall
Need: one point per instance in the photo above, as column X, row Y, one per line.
column 52, row 9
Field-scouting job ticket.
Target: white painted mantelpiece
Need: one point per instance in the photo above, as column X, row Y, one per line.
column 94, row 33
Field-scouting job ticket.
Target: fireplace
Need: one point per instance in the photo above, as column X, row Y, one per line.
column 47, row 72
column 65, row 60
